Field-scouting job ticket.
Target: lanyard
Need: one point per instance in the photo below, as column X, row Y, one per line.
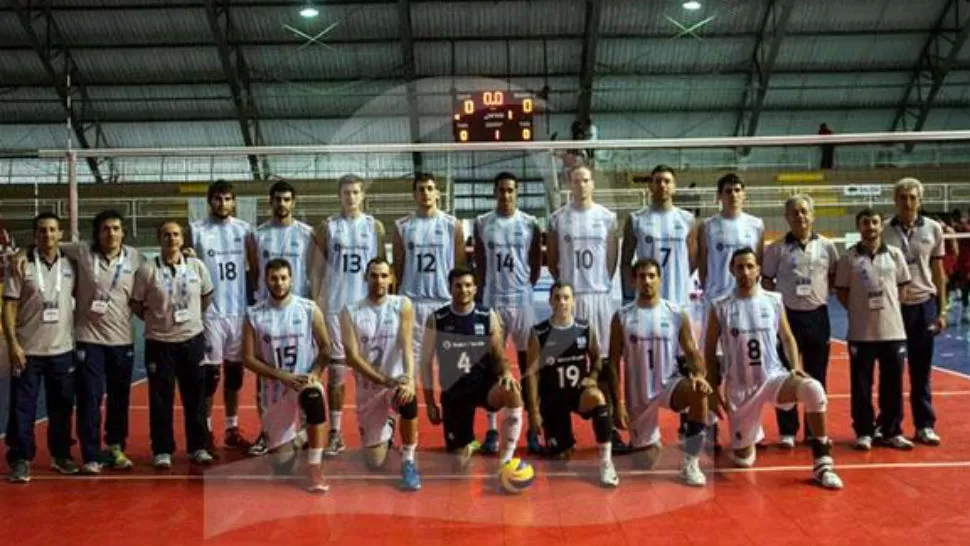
column 905, row 240
column 812, row 250
column 117, row 274
column 870, row 273
column 40, row 273
column 180, row 274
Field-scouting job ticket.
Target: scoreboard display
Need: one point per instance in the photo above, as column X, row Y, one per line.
column 493, row 116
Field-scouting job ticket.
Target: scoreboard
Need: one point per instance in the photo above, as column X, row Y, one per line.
column 493, row 116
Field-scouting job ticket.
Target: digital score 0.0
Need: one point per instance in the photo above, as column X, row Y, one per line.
column 493, row 116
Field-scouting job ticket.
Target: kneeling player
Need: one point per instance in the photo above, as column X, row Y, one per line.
column 280, row 339
column 748, row 322
column 472, row 370
column 378, row 334
column 565, row 353
column 649, row 333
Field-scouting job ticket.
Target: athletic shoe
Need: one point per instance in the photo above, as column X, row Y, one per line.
column 162, row 461
column 335, row 444
column 533, row 443
column 410, row 479
column 65, row 466
column 490, row 444
column 899, row 442
column 117, row 459
column 928, row 436
column 863, row 443
column 92, row 468
column 608, row 475
column 787, row 442
column 318, row 484
column 201, row 457
column 259, row 447
column 691, row 473
column 828, row 479
column 235, row 439
column 19, row 472
column 466, row 453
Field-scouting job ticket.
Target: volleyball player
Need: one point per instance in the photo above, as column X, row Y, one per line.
column 426, row 246
column 924, row 300
column 347, row 241
column 220, row 241
column 508, row 244
column 170, row 294
column 37, row 326
column 649, row 334
column 582, row 250
column 801, row 266
column 379, row 345
column 564, row 356
column 748, row 322
column 281, row 338
column 280, row 237
column 467, row 341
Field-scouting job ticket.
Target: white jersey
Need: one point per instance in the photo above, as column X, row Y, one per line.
column 283, row 338
column 294, row 243
column 378, row 328
column 749, row 339
column 662, row 235
column 507, row 241
column 429, row 254
column 723, row 236
column 583, row 237
column 352, row 243
column 221, row 245
column 651, row 343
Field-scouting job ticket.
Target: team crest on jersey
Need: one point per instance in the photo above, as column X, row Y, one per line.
column 237, row 239
column 266, row 254
column 446, row 345
column 550, row 360
column 267, row 338
column 211, row 253
column 336, row 247
column 410, row 245
column 648, row 239
column 364, row 339
column 491, row 244
column 633, row 339
column 479, row 329
column 765, row 312
column 568, row 238
column 438, row 230
column 719, row 246
column 735, row 332
column 581, row 342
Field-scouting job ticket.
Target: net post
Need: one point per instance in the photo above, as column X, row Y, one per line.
column 72, row 194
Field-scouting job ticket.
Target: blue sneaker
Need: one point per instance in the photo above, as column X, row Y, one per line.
column 410, row 479
column 532, row 441
column 490, row 444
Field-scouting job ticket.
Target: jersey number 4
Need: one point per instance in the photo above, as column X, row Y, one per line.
column 464, row 363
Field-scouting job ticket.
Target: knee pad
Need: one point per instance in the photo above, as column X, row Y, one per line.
column 336, row 374
column 375, row 457
column 234, row 376
column 811, row 394
column 311, row 400
column 409, row 411
column 212, row 375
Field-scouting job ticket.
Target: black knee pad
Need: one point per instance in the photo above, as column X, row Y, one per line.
column 409, row 411
column 601, row 424
column 212, row 375
column 234, row 376
column 311, row 400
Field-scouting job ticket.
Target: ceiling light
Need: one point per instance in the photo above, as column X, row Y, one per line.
column 692, row 5
column 308, row 11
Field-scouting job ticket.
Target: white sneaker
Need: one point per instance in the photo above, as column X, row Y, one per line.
column 201, row 457
column 162, row 460
column 787, row 442
column 691, row 472
column 928, row 436
column 608, row 475
column 900, row 442
column 829, row 479
column 92, row 468
column 863, row 443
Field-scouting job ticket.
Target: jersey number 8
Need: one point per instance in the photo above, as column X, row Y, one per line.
column 754, row 352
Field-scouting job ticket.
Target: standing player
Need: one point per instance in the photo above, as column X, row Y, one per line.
column 467, row 341
column 508, row 244
column 427, row 245
column 649, row 334
column 378, row 341
column 220, row 241
column 281, row 237
column 924, row 300
column 801, row 267
column 748, row 322
column 281, row 338
column 564, row 356
column 348, row 241
column 582, row 251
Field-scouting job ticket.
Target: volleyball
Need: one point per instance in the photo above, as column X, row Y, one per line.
column 516, row 476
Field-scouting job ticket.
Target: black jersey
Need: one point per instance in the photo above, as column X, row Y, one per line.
column 461, row 342
column 563, row 354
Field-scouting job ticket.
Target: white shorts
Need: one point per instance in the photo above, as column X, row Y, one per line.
column 598, row 309
column 517, row 322
column 422, row 310
column 645, row 420
column 375, row 404
column 223, row 339
column 282, row 420
column 746, row 409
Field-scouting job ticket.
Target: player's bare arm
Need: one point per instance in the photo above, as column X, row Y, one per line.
column 626, row 253
column 480, row 258
column 790, row 345
column 253, row 363
column 843, row 295
column 252, row 265
column 322, row 337
column 460, row 253
column 206, row 301
column 18, row 359
column 595, row 362
column 535, row 255
column 713, row 366
column 552, row 253
column 427, row 370
column 532, row 387
column 406, row 390
column 701, row 255
column 620, row 417
column 352, row 355
column 321, row 243
column 692, row 248
column 497, row 345
column 381, row 234
column 939, row 281
column 696, row 369
column 612, row 252
column 397, row 250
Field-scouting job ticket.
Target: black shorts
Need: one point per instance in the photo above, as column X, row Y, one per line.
column 557, row 406
column 459, row 402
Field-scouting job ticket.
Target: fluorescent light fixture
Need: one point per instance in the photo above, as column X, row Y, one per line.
column 692, row 5
column 308, row 11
